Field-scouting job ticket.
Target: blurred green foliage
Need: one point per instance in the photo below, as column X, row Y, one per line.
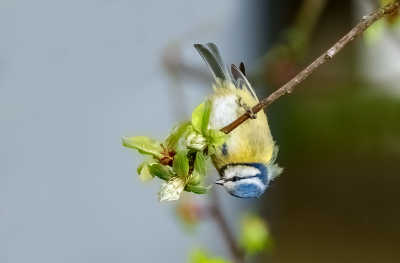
column 339, row 124
column 254, row 236
column 200, row 256
column 340, row 146
column 376, row 31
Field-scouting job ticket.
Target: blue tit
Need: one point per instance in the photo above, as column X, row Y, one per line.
column 246, row 161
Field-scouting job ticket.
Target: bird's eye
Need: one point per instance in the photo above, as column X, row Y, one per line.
column 235, row 179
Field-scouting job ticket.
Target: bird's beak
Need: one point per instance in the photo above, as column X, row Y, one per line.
column 220, row 182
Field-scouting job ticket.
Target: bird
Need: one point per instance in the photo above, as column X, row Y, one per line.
column 246, row 161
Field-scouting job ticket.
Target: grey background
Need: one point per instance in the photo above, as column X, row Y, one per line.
column 76, row 76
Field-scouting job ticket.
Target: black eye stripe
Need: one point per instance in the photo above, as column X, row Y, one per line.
column 236, row 178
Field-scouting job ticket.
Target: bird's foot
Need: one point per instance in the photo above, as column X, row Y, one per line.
column 249, row 111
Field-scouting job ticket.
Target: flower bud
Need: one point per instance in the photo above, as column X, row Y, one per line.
column 195, row 141
column 171, row 190
column 191, row 136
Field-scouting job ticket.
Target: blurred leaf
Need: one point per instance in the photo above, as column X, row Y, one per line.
column 393, row 21
column 190, row 212
column 374, row 33
column 173, row 138
column 215, row 137
column 161, row 171
column 200, row 164
column 181, row 164
column 144, row 145
column 385, row 2
column 201, row 117
column 197, row 189
column 254, row 236
column 199, row 256
column 297, row 41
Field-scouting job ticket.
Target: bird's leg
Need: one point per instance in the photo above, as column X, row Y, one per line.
column 249, row 111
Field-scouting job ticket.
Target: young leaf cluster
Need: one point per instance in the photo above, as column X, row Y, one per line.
column 183, row 158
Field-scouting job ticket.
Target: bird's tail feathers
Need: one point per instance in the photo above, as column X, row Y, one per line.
column 210, row 53
column 213, row 59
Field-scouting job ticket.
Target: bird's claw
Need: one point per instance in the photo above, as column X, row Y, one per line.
column 249, row 111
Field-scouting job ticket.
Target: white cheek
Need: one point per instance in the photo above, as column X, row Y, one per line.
column 241, row 171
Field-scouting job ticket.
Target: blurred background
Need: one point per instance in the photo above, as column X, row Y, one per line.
column 77, row 76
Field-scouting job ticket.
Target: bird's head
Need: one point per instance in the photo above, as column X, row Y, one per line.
column 244, row 180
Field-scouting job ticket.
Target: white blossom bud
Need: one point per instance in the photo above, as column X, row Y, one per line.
column 191, row 136
column 195, row 141
column 171, row 190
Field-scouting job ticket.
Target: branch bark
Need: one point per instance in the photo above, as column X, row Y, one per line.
column 366, row 21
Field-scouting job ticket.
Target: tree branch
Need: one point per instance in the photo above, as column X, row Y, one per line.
column 288, row 87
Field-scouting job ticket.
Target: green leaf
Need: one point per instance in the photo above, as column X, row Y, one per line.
column 161, row 171
column 216, row 138
column 177, row 132
column 145, row 174
column 194, row 179
column 181, row 163
column 197, row 189
column 143, row 170
column 201, row 117
column 190, row 130
column 200, row 163
column 144, row 145
column 147, row 161
column 140, row 167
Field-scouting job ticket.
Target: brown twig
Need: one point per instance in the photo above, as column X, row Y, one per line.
column 288, row 87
